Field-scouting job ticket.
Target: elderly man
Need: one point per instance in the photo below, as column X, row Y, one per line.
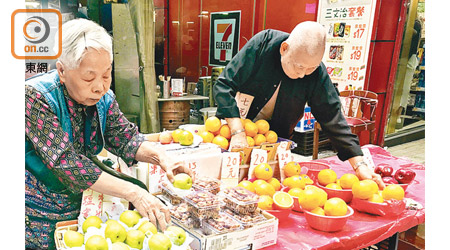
column 277, row 73
column 70, row 115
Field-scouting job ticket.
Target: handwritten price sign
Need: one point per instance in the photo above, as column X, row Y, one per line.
column 283, row 158
column 192, row 164
column 258, row 156
column 230, row 169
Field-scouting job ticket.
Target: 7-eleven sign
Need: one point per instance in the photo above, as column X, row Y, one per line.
column 224, row 37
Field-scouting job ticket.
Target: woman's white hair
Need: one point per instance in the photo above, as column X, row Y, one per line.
column 78, row 35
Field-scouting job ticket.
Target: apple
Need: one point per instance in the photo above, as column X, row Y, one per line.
column 147, row 226
column 73, row 239
column 165, row 137
column 135, row 238
column 115, row 232
column 91, row 221
column 186, row 138
column 182, row 181
column 159, row 241
column 384, row 170
column 96, row 242
column 389, row 180
column 176, row 234
column 404, row 176
column 120, row 246
column 130, row 218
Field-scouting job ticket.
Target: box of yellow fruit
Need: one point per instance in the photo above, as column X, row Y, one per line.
column 128, row 231
column 258, row 135
column 368, row 198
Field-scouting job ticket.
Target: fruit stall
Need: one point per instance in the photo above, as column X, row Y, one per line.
column 253, row 198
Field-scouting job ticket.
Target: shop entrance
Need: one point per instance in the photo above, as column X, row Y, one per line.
column 406, row 121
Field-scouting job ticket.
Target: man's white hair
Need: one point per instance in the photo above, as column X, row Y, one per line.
column 310, row 36
column 78, row 35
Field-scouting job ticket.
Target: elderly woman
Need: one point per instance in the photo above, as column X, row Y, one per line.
column 71, row 114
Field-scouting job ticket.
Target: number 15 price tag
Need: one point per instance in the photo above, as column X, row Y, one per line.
column 258, row 156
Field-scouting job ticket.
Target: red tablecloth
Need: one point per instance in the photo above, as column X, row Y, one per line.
column 362, row 229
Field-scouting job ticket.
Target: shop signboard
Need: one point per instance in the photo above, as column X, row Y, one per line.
column 349, row 29
column 224, row 37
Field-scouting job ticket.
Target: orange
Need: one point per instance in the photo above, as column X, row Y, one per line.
column 259, row 139
column 295, row 181
column 221, row 141
column 259, row 182
column 263, row 126
column 364, row 189
column 247, row 185
column 283, row 200
column 263, row 171
column 251, row 129
column 225, row 131
column 318, row 211
column 265, row 202
column 250, row 141
column 292, row 168
column 333, row 186
column 264, row 189
column 335, row 207
column 275, row 183
column 323, row 196
column 271, row 136
column 376, row 198
column 207, row 136
column 347, row 180
column 213, row 124
column 245, row 121
column 326, row 176
column 296, row 192
column 176, row 135
column 308, row 180
column 186, row 138
column 311, row 199
column 393, row 191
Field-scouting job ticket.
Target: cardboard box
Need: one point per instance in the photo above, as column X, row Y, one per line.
column 261, row 235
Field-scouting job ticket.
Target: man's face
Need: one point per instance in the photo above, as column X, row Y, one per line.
column 91, row 80
column 297, row 63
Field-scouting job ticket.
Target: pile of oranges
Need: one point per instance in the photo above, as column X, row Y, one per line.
column 268, row 188
column 257, row 132
column 368, row 190
column 328, row 178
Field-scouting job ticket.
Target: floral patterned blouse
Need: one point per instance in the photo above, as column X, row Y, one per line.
column 68, row 161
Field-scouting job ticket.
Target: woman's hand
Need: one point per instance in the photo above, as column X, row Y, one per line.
column 150, row 206
column 173, row 168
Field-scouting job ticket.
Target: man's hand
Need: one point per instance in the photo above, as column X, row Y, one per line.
column 364, row 172
column 238, row 141
column 149, row 206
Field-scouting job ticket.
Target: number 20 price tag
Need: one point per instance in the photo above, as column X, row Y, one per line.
column 283, row 158
column 258, row 156
column 230, row 169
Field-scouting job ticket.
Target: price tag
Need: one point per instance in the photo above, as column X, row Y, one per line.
column 283, row 158
column 258, row 156
column 192, row 164
column 230, row 169
column 368, row 158
column 282, row 147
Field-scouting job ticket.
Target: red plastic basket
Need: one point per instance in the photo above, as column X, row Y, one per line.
column 345, row 194
column 313, row 168
column 327, row 223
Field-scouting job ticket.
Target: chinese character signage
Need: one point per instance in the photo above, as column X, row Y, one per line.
column 349, row 29
column 224, row 37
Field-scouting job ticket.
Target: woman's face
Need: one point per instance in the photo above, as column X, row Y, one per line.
column 91, row 80
column 297, row 63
